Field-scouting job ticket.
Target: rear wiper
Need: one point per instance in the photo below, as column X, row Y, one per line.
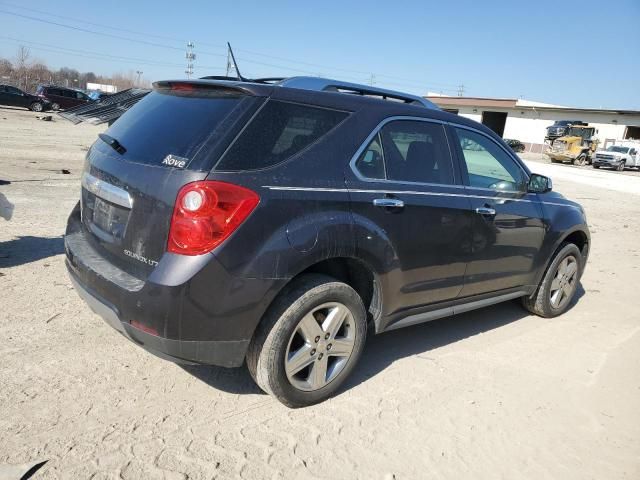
column 113, row 143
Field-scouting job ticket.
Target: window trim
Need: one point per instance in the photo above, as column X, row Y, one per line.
column 376, row 131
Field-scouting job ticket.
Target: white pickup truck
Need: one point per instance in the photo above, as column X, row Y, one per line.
column 623, row 154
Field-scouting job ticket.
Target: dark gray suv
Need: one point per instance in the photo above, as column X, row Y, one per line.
column 280, row 223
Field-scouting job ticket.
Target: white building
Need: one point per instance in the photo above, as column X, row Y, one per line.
column 527, row 121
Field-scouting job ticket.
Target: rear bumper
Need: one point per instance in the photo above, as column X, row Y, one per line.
column 190, row 352
column 189, row 309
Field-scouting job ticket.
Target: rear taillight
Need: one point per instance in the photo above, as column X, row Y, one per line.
column 206, row 213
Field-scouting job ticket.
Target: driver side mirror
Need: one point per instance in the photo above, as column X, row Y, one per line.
column 539, row 184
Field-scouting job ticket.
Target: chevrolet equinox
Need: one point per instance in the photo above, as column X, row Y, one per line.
column 278, row 223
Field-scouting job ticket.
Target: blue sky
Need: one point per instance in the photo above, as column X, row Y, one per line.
column 571, row 53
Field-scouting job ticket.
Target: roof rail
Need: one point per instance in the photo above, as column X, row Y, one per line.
column 330, row 85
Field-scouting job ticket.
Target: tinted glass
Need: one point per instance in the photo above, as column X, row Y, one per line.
column 14, row 90
column 164, row 124
column 279, row 131
column 416, row 152
column 370, row 164
column 488, row 165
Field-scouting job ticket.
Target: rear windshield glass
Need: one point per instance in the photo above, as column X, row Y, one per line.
column 176, row 124
column 279, row 131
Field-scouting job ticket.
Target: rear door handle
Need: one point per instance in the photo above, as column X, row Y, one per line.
column 486, row 211
column 388, row 203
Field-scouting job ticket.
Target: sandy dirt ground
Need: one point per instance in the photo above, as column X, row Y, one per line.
column 495, row 393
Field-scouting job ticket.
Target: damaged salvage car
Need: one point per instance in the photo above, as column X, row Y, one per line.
column 277, row 223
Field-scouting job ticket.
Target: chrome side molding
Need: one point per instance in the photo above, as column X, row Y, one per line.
column 106, row 191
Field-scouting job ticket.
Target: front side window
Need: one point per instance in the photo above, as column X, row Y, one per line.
column 279, row 131
column 416, row 151
column 488, row 165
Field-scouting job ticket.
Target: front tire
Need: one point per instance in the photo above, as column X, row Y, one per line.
column 559, row 284
column 309, row 341
column 55, row 107
column 581, row 160
column 620, row 166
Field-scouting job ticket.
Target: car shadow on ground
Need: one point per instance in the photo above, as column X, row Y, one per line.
column 27, row 249
column 383, row 350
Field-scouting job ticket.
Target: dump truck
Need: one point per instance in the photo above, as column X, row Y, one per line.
column 576, row 146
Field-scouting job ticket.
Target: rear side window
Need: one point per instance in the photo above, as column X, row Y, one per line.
column 177, row 124
column 279, row 131
column 416, row 152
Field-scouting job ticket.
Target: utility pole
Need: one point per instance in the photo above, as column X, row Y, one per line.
column 372, row 79
column 461, row 90
column 138, row 72
column 190, row 58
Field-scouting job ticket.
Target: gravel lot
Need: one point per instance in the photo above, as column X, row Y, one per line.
column 495, row 393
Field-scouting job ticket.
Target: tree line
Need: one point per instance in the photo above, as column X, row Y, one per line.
column 27, row 73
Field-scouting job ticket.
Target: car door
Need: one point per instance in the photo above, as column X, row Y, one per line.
column 410, row 213
column 508, row 228
column 4, row 96
column 14, row 96
column 55, row 96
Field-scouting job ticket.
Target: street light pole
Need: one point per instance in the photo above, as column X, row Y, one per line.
column 139, row 72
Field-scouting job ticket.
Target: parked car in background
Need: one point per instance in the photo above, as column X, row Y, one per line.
column 516, row 145
column 62, row 97
column 14, row 97
column 559, row 129
column 620, row 156
column 310, row 219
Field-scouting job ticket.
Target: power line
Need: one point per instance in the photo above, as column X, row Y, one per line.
column 97, row 55
column 109, row 27
column 244, row 59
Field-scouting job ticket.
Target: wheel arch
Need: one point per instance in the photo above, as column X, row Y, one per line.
column 355, row 272
column 579, row 236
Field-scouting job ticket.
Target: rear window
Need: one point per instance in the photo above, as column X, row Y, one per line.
column 279, row 131
column 174, row 123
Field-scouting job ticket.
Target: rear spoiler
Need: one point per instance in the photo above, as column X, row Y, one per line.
column 229, row 87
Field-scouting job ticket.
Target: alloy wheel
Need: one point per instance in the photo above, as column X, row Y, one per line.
column 320, row 346
column 564, row 283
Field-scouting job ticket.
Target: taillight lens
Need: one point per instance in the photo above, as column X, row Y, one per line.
column 206, row 213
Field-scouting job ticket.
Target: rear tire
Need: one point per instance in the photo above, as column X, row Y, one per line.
column 36, row 107
column 309, row 341
column 559, row 284
column 596, row 166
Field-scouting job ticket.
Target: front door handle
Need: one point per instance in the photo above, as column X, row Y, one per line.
column 486, row 211
column 388, row 203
